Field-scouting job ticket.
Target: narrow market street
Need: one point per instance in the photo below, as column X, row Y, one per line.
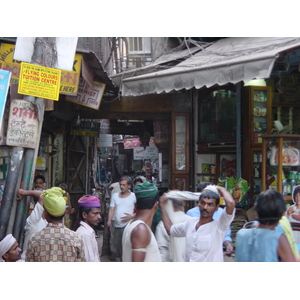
column 170, row 112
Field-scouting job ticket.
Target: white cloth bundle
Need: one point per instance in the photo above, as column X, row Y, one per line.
column 177, row 244
column 184, row 195
column 190, row 196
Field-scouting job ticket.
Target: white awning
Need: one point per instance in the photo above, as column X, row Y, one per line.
column 229, row 60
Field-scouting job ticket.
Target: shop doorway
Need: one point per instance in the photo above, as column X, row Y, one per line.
column 76, row 159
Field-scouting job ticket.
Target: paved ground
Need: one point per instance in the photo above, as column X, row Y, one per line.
column 100, row 244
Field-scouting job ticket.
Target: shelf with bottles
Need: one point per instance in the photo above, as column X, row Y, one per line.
column 203, row 177
column 260, row 112
column 255, row 173
column 256, row 184
column 180, row 142
column 289, row 182
column 281, row 163
column 257, row 160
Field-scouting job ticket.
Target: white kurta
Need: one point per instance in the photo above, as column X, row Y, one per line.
column 206, row 243
column 34, row 223
column 88, row 236
column 171, row 248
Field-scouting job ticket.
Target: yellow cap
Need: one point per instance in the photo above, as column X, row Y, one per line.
column 54, row 202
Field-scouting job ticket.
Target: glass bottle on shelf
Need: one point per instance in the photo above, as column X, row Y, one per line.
column 281, row 168
column 260, row 112
column 256, row 178
column 180, row 142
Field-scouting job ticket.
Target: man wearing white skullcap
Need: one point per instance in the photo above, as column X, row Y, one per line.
column 204, row 235
column 9, row 249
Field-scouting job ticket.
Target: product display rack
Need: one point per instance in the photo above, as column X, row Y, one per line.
column 281, row 162
column 256, row 123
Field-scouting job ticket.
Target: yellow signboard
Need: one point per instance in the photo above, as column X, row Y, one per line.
column 39, row 81
column 69, row 80
column 85, row 133
column 7, row 62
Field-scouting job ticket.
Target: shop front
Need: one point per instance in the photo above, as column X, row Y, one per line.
column 230, row 115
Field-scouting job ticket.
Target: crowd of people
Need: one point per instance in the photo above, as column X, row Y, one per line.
column 202, row 234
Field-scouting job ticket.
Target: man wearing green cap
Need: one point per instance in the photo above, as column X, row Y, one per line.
column 139, row 243
column 55, row 243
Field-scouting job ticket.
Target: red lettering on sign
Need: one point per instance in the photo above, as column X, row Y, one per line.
column 19, row 112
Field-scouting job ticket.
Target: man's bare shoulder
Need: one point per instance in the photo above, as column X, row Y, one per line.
column 141, row 234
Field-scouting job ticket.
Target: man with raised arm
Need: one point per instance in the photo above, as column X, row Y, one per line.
column 204, row 236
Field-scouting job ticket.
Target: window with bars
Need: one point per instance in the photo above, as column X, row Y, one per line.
column 139, row 45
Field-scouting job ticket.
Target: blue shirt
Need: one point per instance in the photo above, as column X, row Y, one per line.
column 195, row 212
column 257, row 245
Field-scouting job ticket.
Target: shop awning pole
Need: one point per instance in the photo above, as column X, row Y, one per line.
column 238, row 130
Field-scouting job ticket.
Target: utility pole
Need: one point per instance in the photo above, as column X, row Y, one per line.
column 44, row 53
column 9, row 193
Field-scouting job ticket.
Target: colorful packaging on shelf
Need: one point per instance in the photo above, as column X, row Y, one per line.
column 290, row 156
column 237, row 188
column 293, row 175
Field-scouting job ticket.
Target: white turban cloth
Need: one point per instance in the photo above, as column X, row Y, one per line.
column 6, row 244
column 177, row 244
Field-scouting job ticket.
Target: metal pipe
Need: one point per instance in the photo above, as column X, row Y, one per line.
column 192, row 143
column 9, row 193
column 22, row 205
column 238, row 129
